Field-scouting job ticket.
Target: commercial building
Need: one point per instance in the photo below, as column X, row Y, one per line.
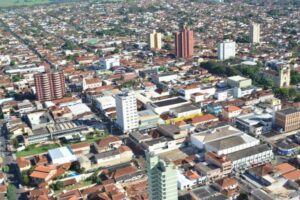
column 255, row 33
column 162, row 178
column 239, row 82
column 246, row 158
column 50, row 86
column 61, row 155
column 226, row 50
column 165, row 105
column 127, row 114
column 288, row 119
column 155, row 40
column 148, row 119
column 255, row 124
column 184, row 43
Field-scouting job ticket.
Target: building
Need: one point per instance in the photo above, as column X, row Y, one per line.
column 148, row 119
column 155, row 40
column 108, row 63
column 255, row 124
column 91, row 83
column 279, row 73
column 162, row 178
column 226, row 50
column 288, row 119
column 120, row 155
column 49, row 86
column 127, row 114
column 255, row 33
column 239, row 82
column 61, row 155
column 165, row 105
column 184, row 43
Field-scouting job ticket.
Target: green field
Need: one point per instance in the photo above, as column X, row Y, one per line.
column 12, row 3
column 34, row 150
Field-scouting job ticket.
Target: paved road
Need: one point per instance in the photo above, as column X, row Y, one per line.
column 13, row 175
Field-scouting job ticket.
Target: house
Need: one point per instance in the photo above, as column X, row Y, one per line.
column 230, row 112
column 112, row 157
column 108, row 143
column 23, row 164
column 228, row 186
column 43, row 173
column 91, row 83
column 80, row 148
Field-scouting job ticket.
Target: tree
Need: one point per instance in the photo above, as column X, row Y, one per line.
column 25, row 178
column 5, row 169
column 58, row 185
column 95, row 178
column 11, row 192
column 15, row 143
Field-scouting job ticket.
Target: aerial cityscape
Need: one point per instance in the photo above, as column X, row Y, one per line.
column 149, row 99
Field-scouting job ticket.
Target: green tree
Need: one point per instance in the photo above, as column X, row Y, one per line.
column 5, row 169
column 58, row 185
column 11, row 192
column 25, row 178
column 15, row 142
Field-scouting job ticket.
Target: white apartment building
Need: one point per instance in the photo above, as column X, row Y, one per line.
column 127, row 114
column 255, row 33
column 107, row 63
column 226, row 50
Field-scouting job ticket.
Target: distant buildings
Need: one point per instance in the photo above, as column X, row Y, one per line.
column 255, row 33
column 162, row 179
column 184, row 43
column 127, row 115
column 155, row 40
column 226, row 50
column 50, row 86
column 288, row 119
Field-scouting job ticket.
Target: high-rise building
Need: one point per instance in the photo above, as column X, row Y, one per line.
column 127, row 114
column 162, row 178
column 255, row 33
column 155, row 40
column 226, row 50
column 184, row 43
column 50, row 86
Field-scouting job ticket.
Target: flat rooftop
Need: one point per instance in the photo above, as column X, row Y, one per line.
column 289, row 111
column 248, row 152
column 169, row 102
column 185, row 108
column 232, row 141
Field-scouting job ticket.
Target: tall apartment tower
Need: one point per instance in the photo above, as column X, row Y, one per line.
column 155, row 40
column 255, row 33
column 226, row 50
column 184, row 43
column 127, row 114
column 162, row 179
column 50, row 86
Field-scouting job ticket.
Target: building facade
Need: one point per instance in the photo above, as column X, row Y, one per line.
column 255, row 33
column 162, row 179
column 50, row 86
column 226, row 50
column 127, row 114
column 155, row 40
column 184, row 43
column 288, row 119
